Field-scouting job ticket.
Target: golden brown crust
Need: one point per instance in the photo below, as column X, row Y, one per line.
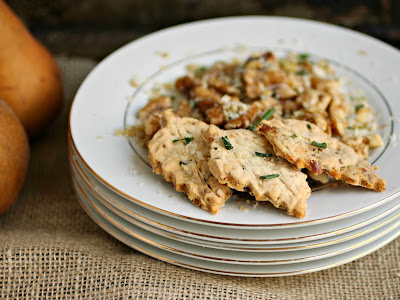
column 187, row 165
column 243, row 170
column 293, row 140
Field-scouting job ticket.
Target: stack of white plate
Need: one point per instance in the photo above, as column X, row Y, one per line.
column 119, row 191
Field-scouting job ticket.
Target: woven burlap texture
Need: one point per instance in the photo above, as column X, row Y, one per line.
column 50, row 249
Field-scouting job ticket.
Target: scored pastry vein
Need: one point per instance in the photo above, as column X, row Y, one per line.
column 307, row 146
column 179, row 153
column 251, row 165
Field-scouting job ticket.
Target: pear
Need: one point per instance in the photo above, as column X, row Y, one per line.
column 14, row 156
column 30, row 80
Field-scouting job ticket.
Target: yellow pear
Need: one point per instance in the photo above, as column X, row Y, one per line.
column 30, row 80
column 14, row 156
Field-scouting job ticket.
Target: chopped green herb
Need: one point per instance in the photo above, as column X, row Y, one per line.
column 184, row 162
column 269, row 176
column 186, row 140
column 309, row 126
column 349, row 127
column 358, row 107
column 264, row 117
column 171, row 96
column 293, row 136
column 227, row 143
column 321, row 145
column 302, row 72
column 263, row 154
column 303, row 56
column 195, row 104
column 201, row 70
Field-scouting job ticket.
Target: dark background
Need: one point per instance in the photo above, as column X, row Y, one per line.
column 95, row 28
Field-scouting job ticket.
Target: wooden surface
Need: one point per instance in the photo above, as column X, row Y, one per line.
column 94, row 28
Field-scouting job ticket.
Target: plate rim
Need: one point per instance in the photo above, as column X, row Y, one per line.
column 233, row 273
column 393, row 223
column 74, row 167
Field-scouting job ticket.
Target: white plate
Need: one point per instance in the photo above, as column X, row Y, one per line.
column 226, row 268
column 134, row 228
column 290, row 239
column 100, row 103
column 368, row 229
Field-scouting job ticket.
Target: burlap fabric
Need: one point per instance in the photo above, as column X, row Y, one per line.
column 50, row 249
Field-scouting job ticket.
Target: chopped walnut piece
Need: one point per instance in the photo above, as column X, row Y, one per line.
column 256, row 110
column 363, row 114
column 153, row 124
column 205, row 98
column 321, row 120
column 261, row 72
column 338, row 111
column 325, row 85
column 244, row 120
column 274, row 77
column 283, row 91
column 289, row 107
column 215, row 115
column 185, row 84
column 184, row 109
column 222, row 77
column 158, row 104
column 314, row 101
column 359, row 144
column 375, row 141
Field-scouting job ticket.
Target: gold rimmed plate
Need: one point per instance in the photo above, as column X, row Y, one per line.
column 227, row 268
column 133, row 228
column 100, row 108
column 236, row 239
